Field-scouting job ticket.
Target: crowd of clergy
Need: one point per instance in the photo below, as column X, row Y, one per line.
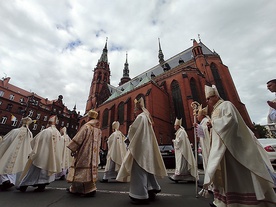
column 237, row 170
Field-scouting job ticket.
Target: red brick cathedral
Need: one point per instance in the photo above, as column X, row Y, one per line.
column 168, row 89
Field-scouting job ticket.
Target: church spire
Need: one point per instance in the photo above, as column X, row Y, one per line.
column 160, row 54
column 104, row 54
column 162, row 62
column 125, row 77
column 126, row 70
column 99, row 91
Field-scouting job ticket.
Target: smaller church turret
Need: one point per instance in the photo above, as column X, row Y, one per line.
column 160, row 54
column 162, row 62
column 125, row 77
column 197, row 49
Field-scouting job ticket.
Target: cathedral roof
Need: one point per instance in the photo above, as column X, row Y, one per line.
column 144, row 80
column 144, row 77
column 115, row 94
column 130, row 87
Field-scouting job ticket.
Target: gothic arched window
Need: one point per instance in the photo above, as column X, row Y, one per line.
column 218, row 81
column 194, row 90
column 105, row 118
column 105, row 77
column 121, row 113
column 177, row 102
column 99, row 78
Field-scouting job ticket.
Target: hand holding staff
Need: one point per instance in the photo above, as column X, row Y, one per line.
column 194, row 106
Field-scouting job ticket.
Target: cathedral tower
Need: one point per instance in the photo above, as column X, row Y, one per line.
column 99, row 89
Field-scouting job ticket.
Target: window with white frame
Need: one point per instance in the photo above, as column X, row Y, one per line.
column 11, row 97
column 38, row 116
column 2, row 93
column 42, row 127
column 62, row 123
column 67, row 125
column 0, row 102
column 4, row 120
column 35, row 127
column 14, row 122
column 45, row 118
column 31, row 112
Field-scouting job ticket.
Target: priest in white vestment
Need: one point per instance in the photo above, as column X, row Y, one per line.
column 66, row 154
column 235, row 165
column 143, row 160
column 203, row 133
column 45, row 160
column 116, row 153
column 14, row 150
column 265, row 157
column 185, row 164
column 271, row 118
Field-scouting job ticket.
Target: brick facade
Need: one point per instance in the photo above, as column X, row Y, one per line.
column 16, row 103
column 169, row 88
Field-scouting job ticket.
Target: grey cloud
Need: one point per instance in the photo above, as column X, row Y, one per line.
column 34, row 34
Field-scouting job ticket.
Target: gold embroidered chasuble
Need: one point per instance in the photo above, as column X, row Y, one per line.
column 86, row 145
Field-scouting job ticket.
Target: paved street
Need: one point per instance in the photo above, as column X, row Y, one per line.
column 108, row 194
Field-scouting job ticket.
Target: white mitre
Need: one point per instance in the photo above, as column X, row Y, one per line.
column 63, row 131
column 27, row 121
column 139, row 103
column 53, row 119
column 211, row 91
column 115, row 125
column 178, row 122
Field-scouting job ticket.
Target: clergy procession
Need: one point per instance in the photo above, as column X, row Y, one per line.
column 237, row 170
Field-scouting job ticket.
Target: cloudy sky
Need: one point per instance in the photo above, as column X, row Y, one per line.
column 51, row 47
